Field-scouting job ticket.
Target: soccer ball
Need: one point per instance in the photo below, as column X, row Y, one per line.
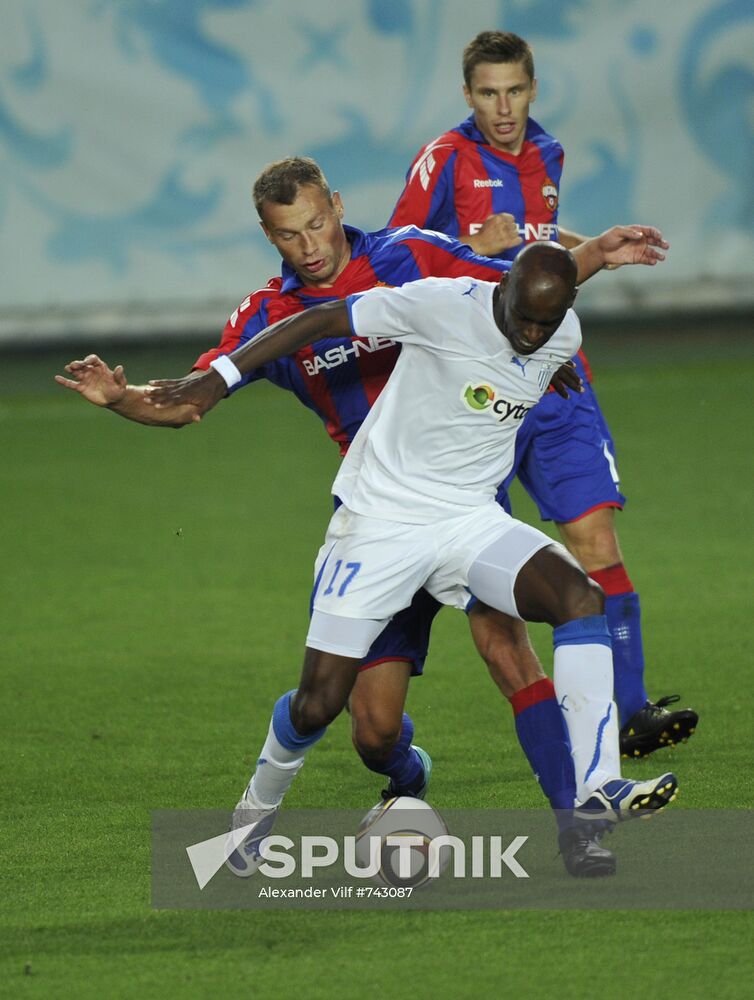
column 396, row 818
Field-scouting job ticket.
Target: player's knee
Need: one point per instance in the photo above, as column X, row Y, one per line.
column 605, row 546
column 374, row 735
column 593, row 541
column 313, row 710
column 582, row 598
column 375, row 744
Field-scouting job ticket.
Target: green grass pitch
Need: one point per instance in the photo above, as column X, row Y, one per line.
column 154, row 603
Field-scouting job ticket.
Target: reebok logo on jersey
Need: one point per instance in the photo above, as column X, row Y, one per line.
column 488, row 182
column 341, row 355
column 483, row 397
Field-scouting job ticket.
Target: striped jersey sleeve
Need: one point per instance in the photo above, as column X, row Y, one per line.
column 438, row 256
column 427, row 200
column 249, row 319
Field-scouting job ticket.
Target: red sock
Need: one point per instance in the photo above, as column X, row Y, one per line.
column 528, row 696
column 613, row 580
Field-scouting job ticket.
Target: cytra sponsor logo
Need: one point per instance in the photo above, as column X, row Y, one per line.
column 478, row 397
column 484, row 397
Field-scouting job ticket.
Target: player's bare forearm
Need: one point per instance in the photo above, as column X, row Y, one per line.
column 277, row 341
column 134, row 406
column 569, row 239
column 589, row 260
column 291, row 334
column 619, row 245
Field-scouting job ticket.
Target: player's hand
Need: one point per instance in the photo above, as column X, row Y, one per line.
column 202, row 390
column 566, row 379
column 95, row 381
column 632, row 245
column 498, row 232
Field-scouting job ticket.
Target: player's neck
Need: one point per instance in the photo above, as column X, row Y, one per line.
column 506, row 149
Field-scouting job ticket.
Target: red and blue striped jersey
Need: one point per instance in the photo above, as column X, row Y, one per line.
column 340, row 378
column 458, row 180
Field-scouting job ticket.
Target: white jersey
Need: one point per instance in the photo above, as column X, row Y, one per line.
column 441, row 437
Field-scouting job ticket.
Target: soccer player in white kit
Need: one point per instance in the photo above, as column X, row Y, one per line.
column 417, row 491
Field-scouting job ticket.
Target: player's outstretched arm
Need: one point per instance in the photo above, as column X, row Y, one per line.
column 570, row 239
column 108, row 388
column 277, row 341
column 619, row 245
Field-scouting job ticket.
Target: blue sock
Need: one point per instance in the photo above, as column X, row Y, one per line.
column 403, row 766
column 543, row 736
column 284, row 730
column 623, row 614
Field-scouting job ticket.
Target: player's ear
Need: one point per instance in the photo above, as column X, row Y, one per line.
column 338, row 204
column 533, row 90
column 266, row 231
column 467, row 95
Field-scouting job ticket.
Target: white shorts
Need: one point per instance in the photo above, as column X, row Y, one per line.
column 369, row 569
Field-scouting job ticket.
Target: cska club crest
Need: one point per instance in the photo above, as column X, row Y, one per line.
column 550, row 194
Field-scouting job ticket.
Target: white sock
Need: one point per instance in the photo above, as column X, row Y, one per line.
column 583, row 677
column 276, row 768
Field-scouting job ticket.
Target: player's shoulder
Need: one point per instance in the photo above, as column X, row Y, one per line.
column 427, row 242
column 439, row 150
column 568, row 334
column 541, row 138
column 254, row 301
column 462, row 291
column 395, row 241
column 397, row 235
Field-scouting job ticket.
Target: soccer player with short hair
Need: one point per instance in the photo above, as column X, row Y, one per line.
column 418, row 509
column 492, row 182
column 339, row 379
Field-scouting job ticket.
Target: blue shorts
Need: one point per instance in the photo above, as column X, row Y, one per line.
column 406, row 636
column 565, row 458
